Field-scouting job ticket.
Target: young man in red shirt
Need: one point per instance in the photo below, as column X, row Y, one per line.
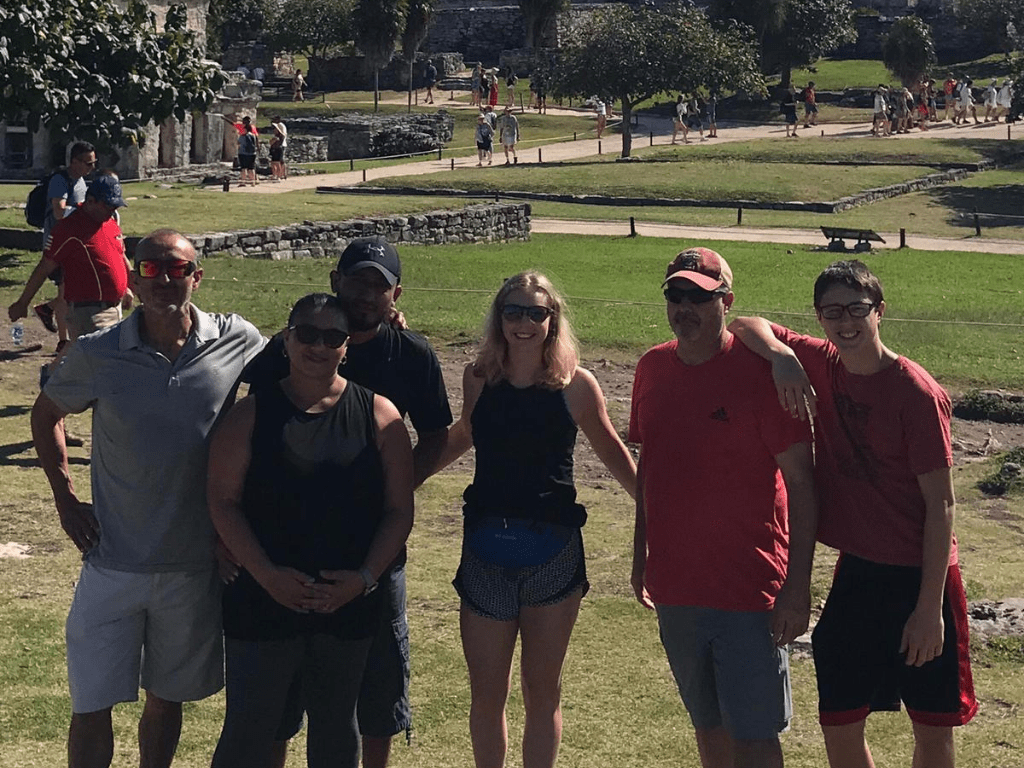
column 725, row 519
column 895, row 624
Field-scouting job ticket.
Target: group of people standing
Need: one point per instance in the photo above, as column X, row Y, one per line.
column 308, row 481
column 690, row 113
column 504, row 126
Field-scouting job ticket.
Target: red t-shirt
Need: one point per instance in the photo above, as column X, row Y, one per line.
column 874, row 435
column 92, row 257
column 240, row 127
column 717, row 524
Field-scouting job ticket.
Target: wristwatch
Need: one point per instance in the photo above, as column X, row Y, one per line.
column 368, row 580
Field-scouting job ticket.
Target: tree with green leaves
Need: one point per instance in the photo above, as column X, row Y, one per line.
column 378, row 26
column 539, row 19
column 908, row 51
column 418, row 18
column 792, row 33
column 635, row 52
column 316, row 28
column 91, row 70
column 1001, row 21
column 237, row 21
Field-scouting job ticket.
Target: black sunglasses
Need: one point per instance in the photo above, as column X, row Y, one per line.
column 537, row 313
column 173, row 268
column 857, row 309
column 310, row 334
column 675, row 295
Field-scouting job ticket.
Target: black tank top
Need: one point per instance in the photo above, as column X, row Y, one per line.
column 524, row 441
column 314, row 496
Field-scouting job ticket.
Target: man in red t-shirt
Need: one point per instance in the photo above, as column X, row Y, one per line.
column 88, row 246
column 725, row 519
column 895, row 624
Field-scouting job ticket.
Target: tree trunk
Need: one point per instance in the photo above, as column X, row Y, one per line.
column 410, row 86
column 786, row 74
column 376, row 87
column 627, row 130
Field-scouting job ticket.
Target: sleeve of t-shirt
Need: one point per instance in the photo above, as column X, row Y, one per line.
column 429, row 410
column 810, row 351
column 268, row 366
column 58, row 187
column 59, row 246
column 71, row 385
column 926, row 415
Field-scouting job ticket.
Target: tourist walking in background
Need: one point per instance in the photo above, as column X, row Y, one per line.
column 712, row 109
column 476, row 81
column 991, row 108
column 492, row 88
column 810, row 105
column 602, row 115
column 789, row 110
column 523, row 572
column 679, row 122
column 298, row 83
column 508, row 133
column 949, row 91
column 510, row 85
column 1004, row 99
column 880, row 118
column 967, row 102
column 484, row 140
column 430, row 75
column 693, row 116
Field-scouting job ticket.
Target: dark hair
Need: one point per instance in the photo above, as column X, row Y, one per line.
column 851, row 274
column 314, row 303
column 80, row 148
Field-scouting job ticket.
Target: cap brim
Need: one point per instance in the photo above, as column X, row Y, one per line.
column 697, row 278
column 390, row 276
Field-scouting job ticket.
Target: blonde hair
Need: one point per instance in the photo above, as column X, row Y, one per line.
column 561, row 351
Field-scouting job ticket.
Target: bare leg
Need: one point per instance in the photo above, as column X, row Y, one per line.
column 545, row 632
column 715, row 747
column 376, row 751
column 846, row 746
column 60, row 314
column 91, row 740
column 488, row 646
column 159, row 730
column 933, row 747
column 757, row 753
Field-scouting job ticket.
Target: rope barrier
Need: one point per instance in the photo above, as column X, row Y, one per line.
column 656, row 305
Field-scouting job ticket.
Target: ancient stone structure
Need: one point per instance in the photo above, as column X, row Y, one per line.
column 365, row 135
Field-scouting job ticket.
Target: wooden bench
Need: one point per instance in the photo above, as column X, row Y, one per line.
column 864, row 237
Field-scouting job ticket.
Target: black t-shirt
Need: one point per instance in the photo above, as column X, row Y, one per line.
column 398, row 364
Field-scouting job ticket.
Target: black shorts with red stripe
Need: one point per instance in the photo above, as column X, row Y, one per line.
column 857, row 656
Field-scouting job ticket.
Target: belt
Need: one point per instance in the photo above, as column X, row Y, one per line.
column 99, row 304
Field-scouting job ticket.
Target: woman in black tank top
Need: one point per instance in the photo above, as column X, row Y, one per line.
column 310, row 488
column 522, row 569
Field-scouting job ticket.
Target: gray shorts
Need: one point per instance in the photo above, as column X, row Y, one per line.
column 498, row 592
column 92, row 317
column 161, row 628
column 728, row 670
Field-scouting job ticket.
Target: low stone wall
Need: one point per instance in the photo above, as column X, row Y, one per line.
column 327, row 239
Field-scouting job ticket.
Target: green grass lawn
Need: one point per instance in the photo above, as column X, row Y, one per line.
column 621, row 708
column 707, row 180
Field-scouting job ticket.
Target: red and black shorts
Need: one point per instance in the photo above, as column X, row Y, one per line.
column 857, row 656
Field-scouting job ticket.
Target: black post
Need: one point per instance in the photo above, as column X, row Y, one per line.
column 599, row 146
column 453, row 163
column 439, row 153
column 977, row 223
column 652, row 138
column 540, row 156
column 364, row 174
column 739, row 216
column 903, row 237
column 574, row 135
column 351, row 164
column 632, row 227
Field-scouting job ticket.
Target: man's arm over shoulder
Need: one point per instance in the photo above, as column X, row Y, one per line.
column 782, row 348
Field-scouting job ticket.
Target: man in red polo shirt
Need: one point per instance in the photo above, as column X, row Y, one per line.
column 89, row 247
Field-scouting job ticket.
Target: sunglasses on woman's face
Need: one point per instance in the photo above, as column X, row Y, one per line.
column 173, row 268
column 537, row 313
column 675, row 295
column 310, row 334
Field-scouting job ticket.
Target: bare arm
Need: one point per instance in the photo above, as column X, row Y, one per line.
column 640, row 540
column 587, row 406
column 923, row 633
column 796, row 394
column 396, row 457
column 460, row 434
column 59, row 206
column 426, row 456
column 76, row 517
column 792, row 611
column 230, row 453
column 19, row 309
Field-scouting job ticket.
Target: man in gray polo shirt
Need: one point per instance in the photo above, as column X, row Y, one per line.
column 148, row 600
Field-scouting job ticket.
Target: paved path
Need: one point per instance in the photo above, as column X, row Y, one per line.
column 765, row 235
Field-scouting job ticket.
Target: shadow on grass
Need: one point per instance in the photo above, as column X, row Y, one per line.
column 14, row 410
column 8, row 452
column 1003, row 200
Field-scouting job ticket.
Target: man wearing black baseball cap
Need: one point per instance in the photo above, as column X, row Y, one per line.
column 401, row 366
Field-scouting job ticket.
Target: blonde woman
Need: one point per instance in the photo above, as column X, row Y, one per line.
column 523, row 572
